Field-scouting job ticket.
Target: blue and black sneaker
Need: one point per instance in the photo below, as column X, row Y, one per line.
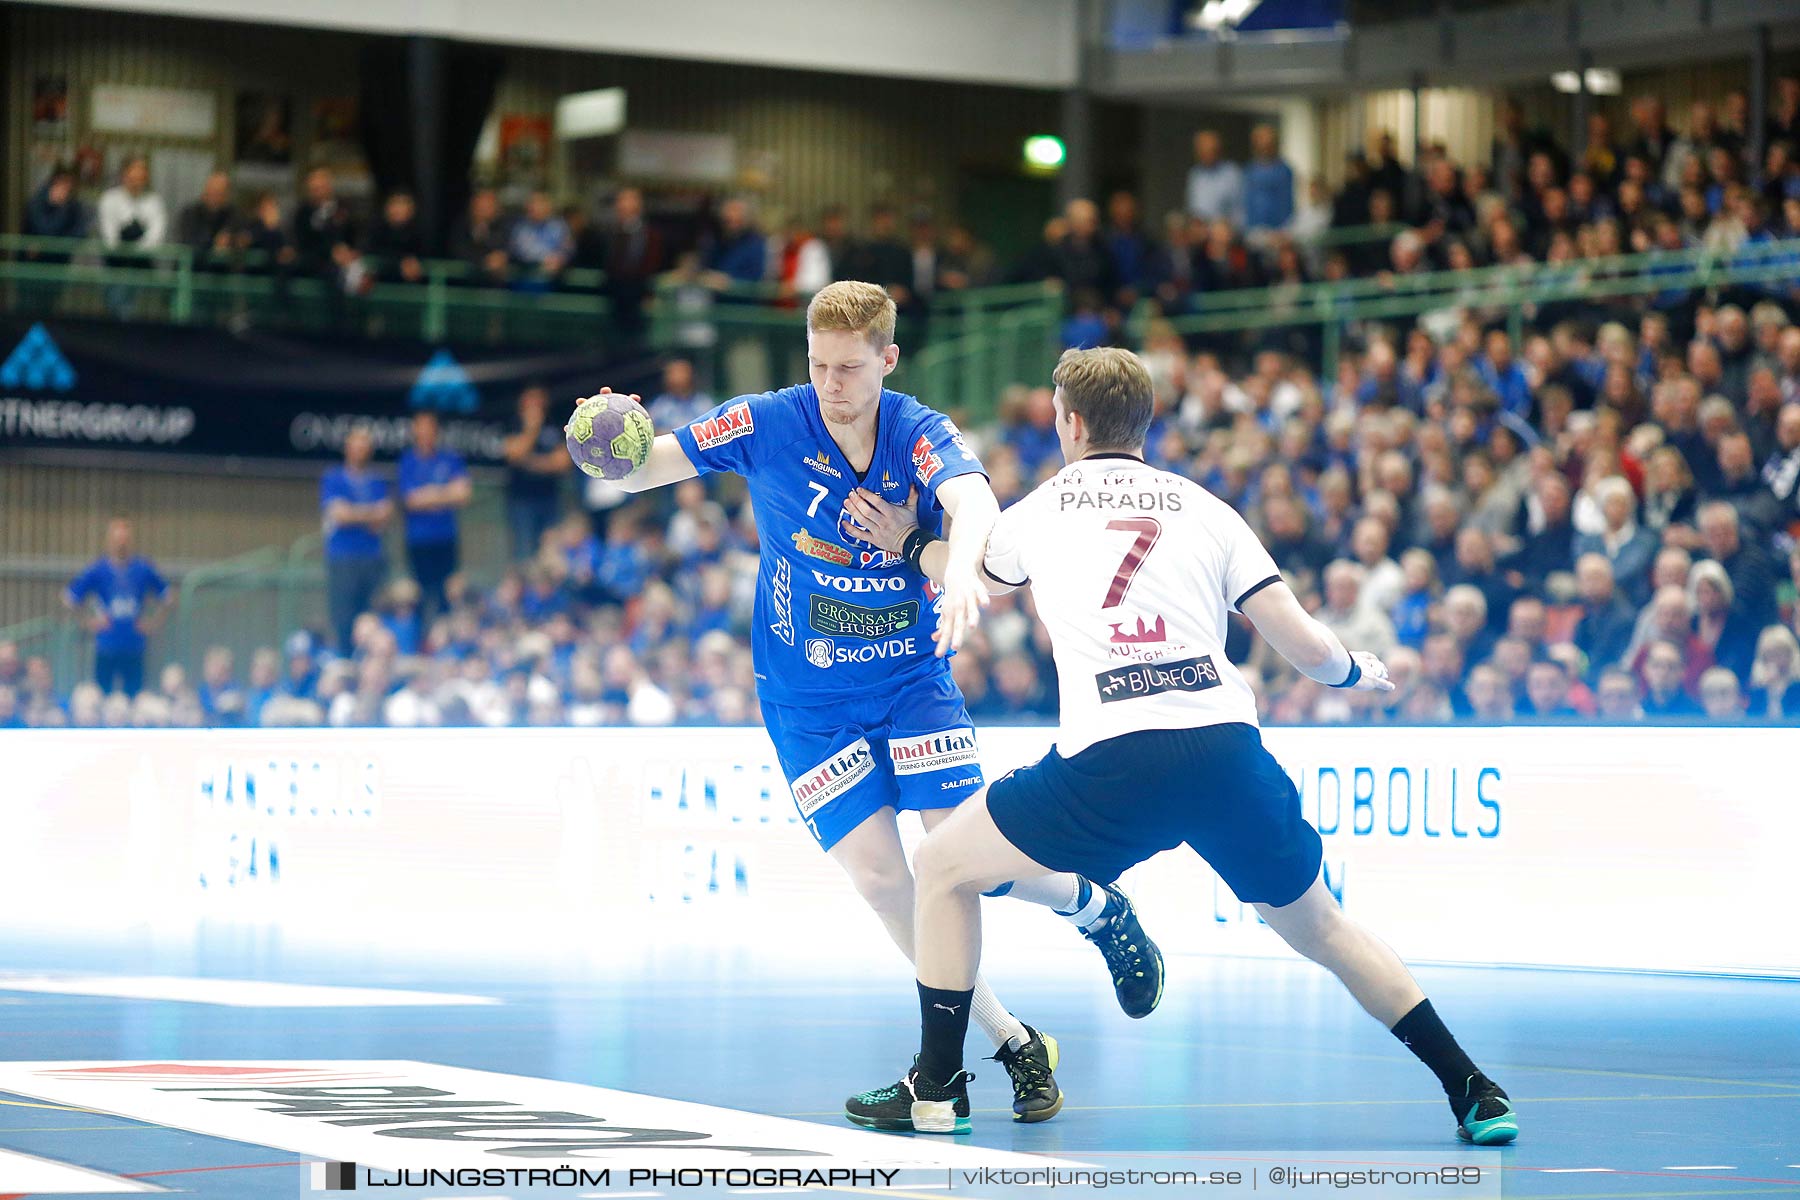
column 914, row 1105
column 1132, row 958
column 1484, row 1115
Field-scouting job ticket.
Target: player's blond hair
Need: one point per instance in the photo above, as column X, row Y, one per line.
column 1111, row 389
column 852, row 307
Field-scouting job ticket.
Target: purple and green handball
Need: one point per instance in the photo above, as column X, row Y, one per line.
column 609, row 436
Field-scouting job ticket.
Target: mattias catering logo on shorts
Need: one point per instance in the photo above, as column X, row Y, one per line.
column 853, row 620
column 833, row 777
column 933, row 751
column 818, row 652
column 1153, row 679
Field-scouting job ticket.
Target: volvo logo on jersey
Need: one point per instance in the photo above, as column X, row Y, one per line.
column 1153, row 679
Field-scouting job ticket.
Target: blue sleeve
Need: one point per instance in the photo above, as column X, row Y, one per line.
column 939, row 453
column 730, row 437
column 331, row 487
column 82, row 586
column 154, row 583
column 408, row 474
column 458, row 468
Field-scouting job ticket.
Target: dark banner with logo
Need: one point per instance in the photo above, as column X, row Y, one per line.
column 104, row 385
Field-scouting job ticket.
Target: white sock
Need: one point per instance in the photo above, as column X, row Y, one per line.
column 1003, row 1029
column 1088, row 917
column 1061, row 893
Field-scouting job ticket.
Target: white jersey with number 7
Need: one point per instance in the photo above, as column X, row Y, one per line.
column 1134, row 571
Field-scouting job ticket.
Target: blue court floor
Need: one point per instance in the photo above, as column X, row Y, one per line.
column 1626, row 1085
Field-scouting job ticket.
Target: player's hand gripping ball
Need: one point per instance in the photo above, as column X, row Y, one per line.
column 609, row 435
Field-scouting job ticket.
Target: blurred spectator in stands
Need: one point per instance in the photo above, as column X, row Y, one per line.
column 479, row 238
column 1547, row 692
column 681, row 401
column 1746, row 564
column 12, row 667
column 1128, row 247
column 1344, row 614
column 633, row 258
column 130, row 215
column 54, row 210
column 1608, row 620
column 1215, row 185
column 1724, row 630
column 1551, row 546
column 966, row 263
column 1781, row 473
column 1039, row 262
column 263, row 235
column 120, row 598
column 1268, row 184
column 262, row 683
column 324, row 233
column 1775, row 676
column 1490, row 696
column 209, row 225
column 1664, row 693
column 1720, row 697
column 1627, row 548
column 923, row 256
column 1031, row 433
column 395, row 241
column 222, row 700
column 738, row 253
column 536, row 463
column 539, row 244
column 834, row 244
column 355, row 504
column 1081, row 260
column 434, row 487
column 881, row 257
column 1616, row 696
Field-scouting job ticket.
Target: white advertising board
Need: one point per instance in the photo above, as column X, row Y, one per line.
column 1638, row 849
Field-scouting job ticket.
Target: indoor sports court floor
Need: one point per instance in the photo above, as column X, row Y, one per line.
column 1626, row 1085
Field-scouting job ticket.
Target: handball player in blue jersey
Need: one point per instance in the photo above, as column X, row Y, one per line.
column 852, row 643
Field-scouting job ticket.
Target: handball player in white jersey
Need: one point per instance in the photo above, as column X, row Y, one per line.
column 1134, row 572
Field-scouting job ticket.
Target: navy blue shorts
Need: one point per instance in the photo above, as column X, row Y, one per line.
column 1122, row 800
column 911, row 749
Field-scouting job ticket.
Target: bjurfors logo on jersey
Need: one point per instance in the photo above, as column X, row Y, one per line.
column 781, row 598
column 925, row 460
column 728, row 426
column 818, row 652
column 1153, row 679
column 933, row 751
column 833, row 777
column 861, row 583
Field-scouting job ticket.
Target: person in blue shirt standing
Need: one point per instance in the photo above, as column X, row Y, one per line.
column 122, row 598
column 434, row 484
column 851, row 644
column 355, row 505
column 1268, row 184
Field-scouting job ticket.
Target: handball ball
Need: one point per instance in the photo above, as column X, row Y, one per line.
column 609, row 436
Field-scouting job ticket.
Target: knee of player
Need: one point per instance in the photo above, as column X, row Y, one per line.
column 941, row 866
column 882, row 884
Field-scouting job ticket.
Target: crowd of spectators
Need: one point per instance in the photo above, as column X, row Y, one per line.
column 1597, row 521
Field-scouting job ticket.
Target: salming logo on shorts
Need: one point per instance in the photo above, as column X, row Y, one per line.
column 1153, row 679
column 933, row 751
column 833, row 777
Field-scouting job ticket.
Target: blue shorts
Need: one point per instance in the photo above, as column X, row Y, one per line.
column 913, row 749
column 1120, row 801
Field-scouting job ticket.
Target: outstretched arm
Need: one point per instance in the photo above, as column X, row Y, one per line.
column 666, row 463
column 1316, row 651
column 970, row 511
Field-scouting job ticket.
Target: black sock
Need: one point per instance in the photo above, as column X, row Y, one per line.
column 1422, row 1031
column 944, row 1023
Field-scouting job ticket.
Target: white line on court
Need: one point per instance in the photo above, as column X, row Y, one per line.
column 1578, row 1171
column 1699, row 1168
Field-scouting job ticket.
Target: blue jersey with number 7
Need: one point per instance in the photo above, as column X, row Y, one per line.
column 835, row 616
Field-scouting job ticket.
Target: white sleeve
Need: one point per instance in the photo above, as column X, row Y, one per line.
column 812, row 269
column 156, row 221
column 1248, row 567
column 1005, row 561
column 110, row 218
